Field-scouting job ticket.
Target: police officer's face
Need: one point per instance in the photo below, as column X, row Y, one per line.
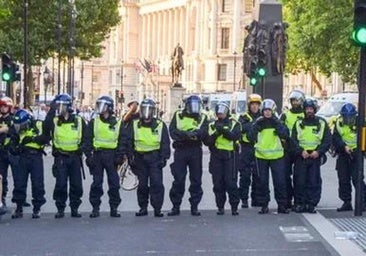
column 295, row 103
column 254, row 107
column 4, row 109
column 267, row 113
column 309, row 111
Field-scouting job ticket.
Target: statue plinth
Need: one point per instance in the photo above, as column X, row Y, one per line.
column 177, row 85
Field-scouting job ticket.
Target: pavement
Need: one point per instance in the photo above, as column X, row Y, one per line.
column 324, row 233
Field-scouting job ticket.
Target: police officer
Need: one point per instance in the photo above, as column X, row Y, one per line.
column 105, row 154
column 247, row 167
column 222, row 136
column 312, row 139
column 6, row 105
column 345, row 144
column 187, row 129
column 69, row 137
column 148, row 153
column 289, row 118
column 26, row 143
column 268, row 134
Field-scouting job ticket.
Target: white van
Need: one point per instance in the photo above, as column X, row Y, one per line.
column 238, row 103
column 331, row 108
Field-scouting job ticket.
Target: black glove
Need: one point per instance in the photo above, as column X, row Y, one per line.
column 192, row 135
column 90, row 162
column 219, row 127
column 162, row 163
column 27, row 139
column 274, row 121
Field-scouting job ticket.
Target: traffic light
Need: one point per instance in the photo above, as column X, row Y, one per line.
column 16, row 74
column 262, row 63
column 359, row 26
column 6, row 71
column 253, row 73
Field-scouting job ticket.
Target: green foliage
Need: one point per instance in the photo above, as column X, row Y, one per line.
column 94, row 20
column 319, row 37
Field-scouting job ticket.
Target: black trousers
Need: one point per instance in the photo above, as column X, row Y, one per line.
column 346, row 167
column 4, row 165
column 187, row 158
column 150, row 176
column 30, row 164
column 104, row 160
column 307, row 180
column 67, row 170
column 248, row 173
column 224, row 178
column 278, row 177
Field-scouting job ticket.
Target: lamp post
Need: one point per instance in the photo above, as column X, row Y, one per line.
column 46, row 82
column 82, row 83
column 72, row 47
column 25, row 50
column 235, row 53
column 59, row 27
column 121, row 91
column 217, row 73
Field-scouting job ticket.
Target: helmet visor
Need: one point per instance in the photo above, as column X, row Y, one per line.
column 101, row 107
column 222, row 109
column 349, row 120
column 269, row 105
column 193, row 107
column 61, row 107
column 21, row 127
column 147, row 111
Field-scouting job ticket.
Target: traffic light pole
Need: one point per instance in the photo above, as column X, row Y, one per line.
column 360, row 124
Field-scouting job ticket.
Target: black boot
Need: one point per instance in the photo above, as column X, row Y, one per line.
column 244, row 204
column 158, row 213
column 264, row 210
column 141, row 212
column 283, row 209
column 194, row 211
column 60, row 214
column 95, row 213
column 18, row 212
column 26, row 204
column 311, row 208
column 36, row 213
column 346, row 206
column 114, row 213
column 75, row 213
column 220, row 211
column 174, row 212
column 234, row 211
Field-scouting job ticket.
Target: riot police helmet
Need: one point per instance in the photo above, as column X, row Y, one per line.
column 22, row 120
column 349, row 114
column 62, row 103
column 193, row 104
column 104, row 104
column 147, row 109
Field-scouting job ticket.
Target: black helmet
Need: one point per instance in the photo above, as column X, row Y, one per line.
column 193, row 104
column 147, row 109
column 62, row 103
column 103, row 104
column 310, row 103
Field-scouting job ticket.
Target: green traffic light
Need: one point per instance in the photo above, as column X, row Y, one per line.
column 261, row 72
column 6, row 76
column 360, row 35
column 253, row 81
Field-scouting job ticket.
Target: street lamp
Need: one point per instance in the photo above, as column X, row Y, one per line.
column 73, row 16
column 59, row 27
column 235, row 53
column 46, row 81
column 218, row 73
column 122, row 93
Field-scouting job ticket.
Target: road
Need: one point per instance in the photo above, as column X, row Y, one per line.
column 246, row 234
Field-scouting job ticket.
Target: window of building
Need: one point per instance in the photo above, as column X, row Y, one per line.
column 221, row 72
column 110, row 77
column 249, row 5
column 225, row 5
column 225, row 38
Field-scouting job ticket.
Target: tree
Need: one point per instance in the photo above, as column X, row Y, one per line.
column 319, row 37
column 95, row 19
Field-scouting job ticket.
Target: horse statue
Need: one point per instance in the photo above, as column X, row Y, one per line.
column 177, row 64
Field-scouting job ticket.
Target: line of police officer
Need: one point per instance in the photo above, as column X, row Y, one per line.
column 253, row 143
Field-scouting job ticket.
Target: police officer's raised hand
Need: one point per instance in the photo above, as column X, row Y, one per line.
column 219, row 126
column 348, row 150
column 305, row 154
column 314, row 154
